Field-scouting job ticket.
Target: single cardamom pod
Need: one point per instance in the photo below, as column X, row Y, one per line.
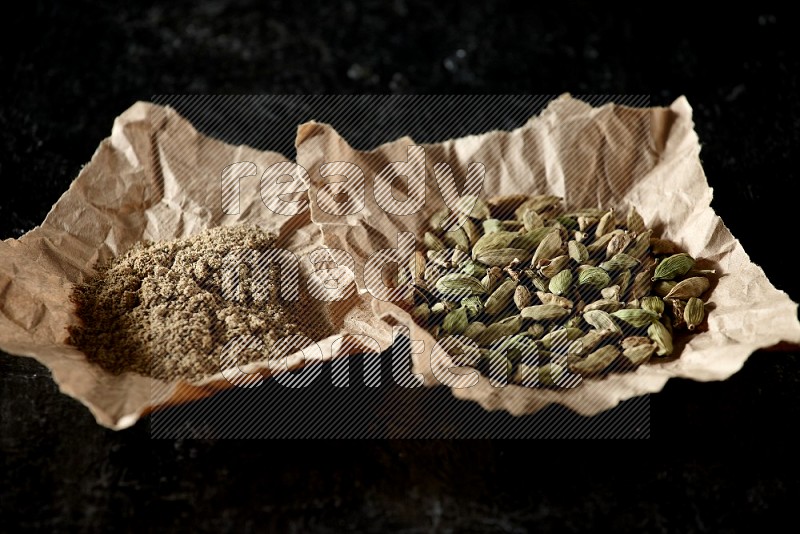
column 473, row 305
column 673, row 266
column 535, row 331
column 623, row 280
column 569, row 223
column 441, row 307
column 492, row 278
column 607, row 305
column 661, row 337
column 560, row 339
column 611, row 292
column 577, row 251
column 550, row 247
column 653, row 304
column 540, row 283
column 641, row 245
column 601, row 320
column 502, row 256
column 544, row 312
column 458, row 257
column 588, row 342
column 456, row 238
column 532, row 220
column 473, row 268
column 633, row 341
column 594, row 277
column 531, row 239
column 635, row 222
column 432, row 242
column 598, row 247
column 459, row 285
column 619, row 262
column 691, row 287
column 596, row 362
column 550, row 374
column 473, row 330
column 500, row 298
column 560, row 283
column 608, row 222
column 585, row 223
column 663, row 287
column 455, row 322
column 492, row 226
column 493, row 241
column 618, row 244
column 549, row 298
column 471, row 230
column 694, row 312
column 638, row 318
column 421, row 313
column 522, row 297
column 507, row 327
column 550, row 268
column 639, row 354
column 641, row 285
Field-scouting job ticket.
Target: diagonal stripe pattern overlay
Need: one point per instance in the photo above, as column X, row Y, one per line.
column 372, row 405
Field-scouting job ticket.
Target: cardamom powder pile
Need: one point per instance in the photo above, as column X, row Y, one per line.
column 159, row 309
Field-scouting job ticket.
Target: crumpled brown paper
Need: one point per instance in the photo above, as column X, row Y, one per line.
column 157, row 178
column 611, row 156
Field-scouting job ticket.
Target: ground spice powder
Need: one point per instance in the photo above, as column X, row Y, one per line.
column 159, row 309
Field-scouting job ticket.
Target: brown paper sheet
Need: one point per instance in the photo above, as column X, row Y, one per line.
column 611, row 156
column 157, row 178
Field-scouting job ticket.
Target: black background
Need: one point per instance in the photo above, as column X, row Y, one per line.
column 720, row 456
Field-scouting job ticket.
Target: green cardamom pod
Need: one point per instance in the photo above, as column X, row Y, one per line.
column 641, row 245
column 601, row 320
column 608, row 222
column 432, row 242
column 662, row 288
column 549, row 298
column 618, row 244
column 493, row 241
column 594, row 277
column 502, row 256
column 596, row 362
column 588, row 342
column 619, row 262
column 459, row 285
column 560, row 339
column 560, row 283
column 549, row 268
column 455, row 322
column 652, row 304
column 507, row 327
column 544, row 312
column 473, row 305
column 661, row 337
column 522, row 297
column 691, row 287
column 673, row 266
column 500, row 298
column 607, row 305
column 532, row 220
column 694, row 312
column 577, row 251
column 550, row 247
column 492, row 226
column 474, row 330
column 638, row 318
column 639, row 354
column 531, row 239
column 473, row 268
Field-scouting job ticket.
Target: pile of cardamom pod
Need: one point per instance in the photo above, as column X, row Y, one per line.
column 546, row 295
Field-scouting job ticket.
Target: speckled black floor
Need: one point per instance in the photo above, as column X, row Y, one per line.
column 721, row 457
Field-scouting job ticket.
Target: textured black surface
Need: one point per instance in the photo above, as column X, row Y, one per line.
column 721, row 455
